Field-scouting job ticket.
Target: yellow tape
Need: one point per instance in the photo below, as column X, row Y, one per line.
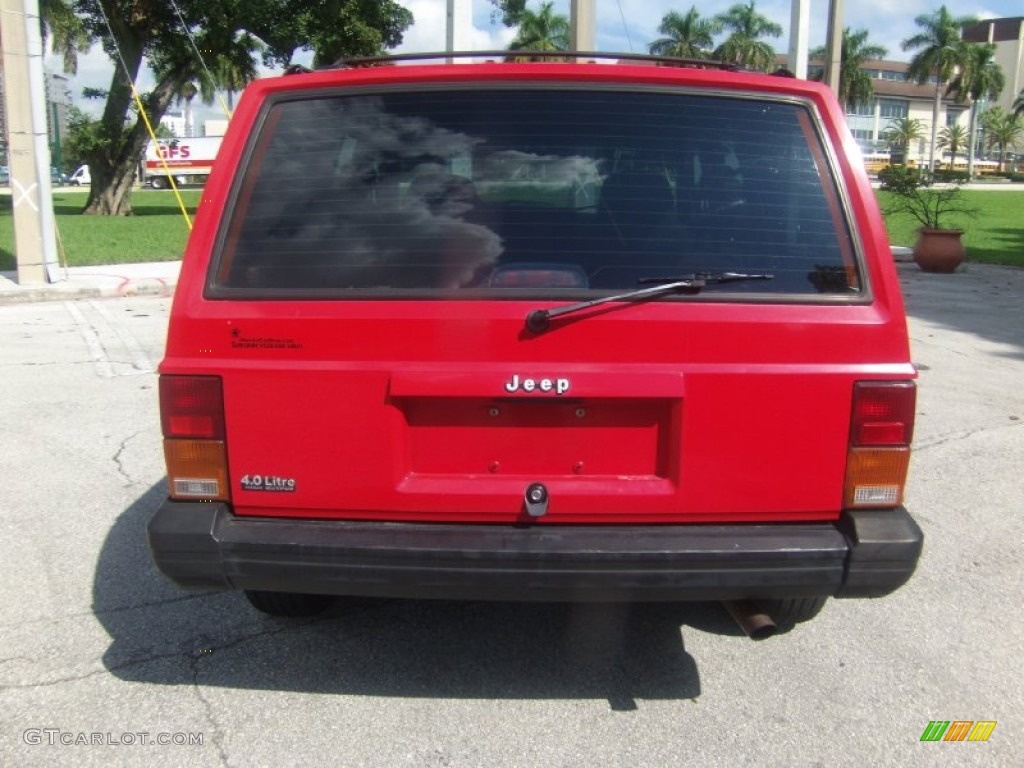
column 163, row 159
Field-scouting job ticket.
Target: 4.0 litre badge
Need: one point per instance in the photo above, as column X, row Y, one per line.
column 268, row 483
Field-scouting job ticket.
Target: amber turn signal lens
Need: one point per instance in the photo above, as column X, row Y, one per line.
column 197, row 469
column 875, row 477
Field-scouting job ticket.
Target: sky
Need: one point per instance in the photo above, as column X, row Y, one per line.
column 622, row 25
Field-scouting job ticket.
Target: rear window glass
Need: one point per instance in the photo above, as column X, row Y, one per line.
column 506, row 192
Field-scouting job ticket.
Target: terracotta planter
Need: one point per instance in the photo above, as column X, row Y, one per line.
column 939, row 250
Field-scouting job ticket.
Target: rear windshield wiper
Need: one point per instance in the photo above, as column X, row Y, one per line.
column 539, row 320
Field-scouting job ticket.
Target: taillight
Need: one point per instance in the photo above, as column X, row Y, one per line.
column 881, row 428
column 192, row 406
column 192, row 417
column 883, row 413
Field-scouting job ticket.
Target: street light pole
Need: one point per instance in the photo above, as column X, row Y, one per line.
column 582, row 25
column 35, row 243
column 834, row 47
column 799, row 23
column 458, row 22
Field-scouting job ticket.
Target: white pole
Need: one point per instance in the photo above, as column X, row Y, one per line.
column 449, row 32
column 799, row 24
column 834, row 47
column 28, row 150
column 459, row 26
column 582, row 25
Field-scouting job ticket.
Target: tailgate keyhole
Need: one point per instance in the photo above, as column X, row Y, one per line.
column 536, row 500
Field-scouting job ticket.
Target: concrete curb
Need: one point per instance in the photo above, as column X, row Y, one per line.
column 109, row 281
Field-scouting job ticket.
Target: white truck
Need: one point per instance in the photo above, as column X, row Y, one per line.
column 81, row 177
column 187, row 160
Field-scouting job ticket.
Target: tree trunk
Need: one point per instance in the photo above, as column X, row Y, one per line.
column 114, row 176
column 112, row 167
column 972, row 131
column 111, row 193
column 935, row 122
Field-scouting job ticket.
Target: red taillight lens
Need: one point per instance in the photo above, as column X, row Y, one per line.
column 883, row 413
column 192, row 415
column 882, row 426
column 192, row 407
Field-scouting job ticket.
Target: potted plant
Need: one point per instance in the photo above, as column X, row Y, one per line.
column 938, row 247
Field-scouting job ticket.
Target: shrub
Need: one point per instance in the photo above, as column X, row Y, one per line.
column 913, row 194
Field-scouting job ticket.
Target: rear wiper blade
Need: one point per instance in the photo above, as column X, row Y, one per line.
column 711, row 278
column 539, row 320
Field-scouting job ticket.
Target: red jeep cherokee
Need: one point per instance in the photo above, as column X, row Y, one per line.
column 538, row 331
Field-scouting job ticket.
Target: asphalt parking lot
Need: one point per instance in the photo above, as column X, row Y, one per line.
column 102, row 658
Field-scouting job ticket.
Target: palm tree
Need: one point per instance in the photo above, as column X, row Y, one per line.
column 903, row 131
column 952, row 137
column 687, row 37
column 979, row 78
column 508, row 11
column 57, row 19
column 1002, row 130
column 744, row 46
column 855, row 85
column 939, row 53
column 544, row 30
column 231, row 71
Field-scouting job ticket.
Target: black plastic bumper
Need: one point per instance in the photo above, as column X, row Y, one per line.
column 864, row 554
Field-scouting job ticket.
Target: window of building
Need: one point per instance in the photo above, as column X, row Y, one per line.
column 865, row 138
column 900, row 77
column 894, row 108
column 864, row 109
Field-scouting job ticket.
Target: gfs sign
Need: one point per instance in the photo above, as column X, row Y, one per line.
column 173, row 151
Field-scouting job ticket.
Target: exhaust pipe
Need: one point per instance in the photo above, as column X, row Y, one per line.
column 755, row 623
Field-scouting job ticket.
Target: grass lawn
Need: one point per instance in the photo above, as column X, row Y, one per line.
column 995, row 235
column 158, row 233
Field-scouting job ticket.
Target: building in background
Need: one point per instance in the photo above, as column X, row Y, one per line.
column 176, row 121
column 58, row 102
column 215, row 127
column 1008, row 37
column 895, row 97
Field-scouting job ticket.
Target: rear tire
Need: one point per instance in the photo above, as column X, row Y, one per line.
column 158, row 182
column 287, row 603
column 792, row 610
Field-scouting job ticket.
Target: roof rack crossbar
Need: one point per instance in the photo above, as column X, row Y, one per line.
column 365, row 61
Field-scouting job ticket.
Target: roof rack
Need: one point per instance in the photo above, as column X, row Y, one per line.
column 502, row 55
